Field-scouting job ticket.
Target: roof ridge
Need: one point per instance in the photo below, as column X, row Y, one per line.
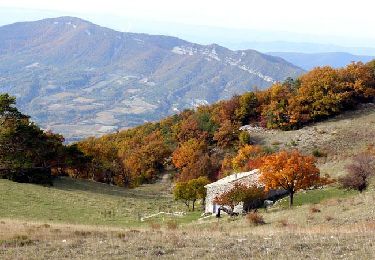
column 233, row 177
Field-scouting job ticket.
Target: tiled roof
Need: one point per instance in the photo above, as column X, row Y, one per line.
column 232, row 177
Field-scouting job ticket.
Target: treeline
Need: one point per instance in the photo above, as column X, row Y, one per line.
column 204, row 142
column 29, row 154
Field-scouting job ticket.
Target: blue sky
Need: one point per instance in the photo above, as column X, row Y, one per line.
column 348, row 23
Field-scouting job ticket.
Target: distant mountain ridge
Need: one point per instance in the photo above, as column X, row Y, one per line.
column 307, row 61
column 300, row 47
column 81, row 79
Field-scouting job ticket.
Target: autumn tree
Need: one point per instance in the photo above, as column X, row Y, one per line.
column 192, row 160
column 182, row 192
column 226, row 110
column 145, row 162
column 245, row 155
column 197, row 188
column 290, row 171
column 226, row 167
column 275, row 109
column 239, row 193
column 359, row 81
column 188, row 129
column 227, row 135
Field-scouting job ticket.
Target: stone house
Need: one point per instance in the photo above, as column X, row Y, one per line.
column 247, row 178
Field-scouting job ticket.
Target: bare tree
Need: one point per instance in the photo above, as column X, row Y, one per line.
column 359, row 172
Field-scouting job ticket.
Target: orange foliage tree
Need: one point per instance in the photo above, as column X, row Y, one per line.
column 192, row 160
column 290, row 171
column 227, row 134
column 145, row 162
column 246, row 157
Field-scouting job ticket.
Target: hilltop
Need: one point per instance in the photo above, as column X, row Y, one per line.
column 80, row 79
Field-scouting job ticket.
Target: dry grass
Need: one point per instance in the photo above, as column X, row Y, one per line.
column 255, row 218
column 314, row 209
column 287, row 234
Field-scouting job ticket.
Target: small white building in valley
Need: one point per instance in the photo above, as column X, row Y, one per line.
column 216, row 188
column 250, row 178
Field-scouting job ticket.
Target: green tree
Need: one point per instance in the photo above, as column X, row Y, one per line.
column 191, row 191
column 197, row 189
column 182, row 192
column 23, row 145
column 247, row 110
column 244, row 138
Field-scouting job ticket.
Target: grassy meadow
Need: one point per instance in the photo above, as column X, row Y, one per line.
column 66, row 221
column 86, row 202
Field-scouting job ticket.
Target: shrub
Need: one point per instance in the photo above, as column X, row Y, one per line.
column 155, row 226
column 314, row 210
column 28, row 175
column 283, row 222
column 268, row 149
column 318, row 153
column 255, row 218
column 45, row 226
column 359, row 173
column 244, row 138
column 121, row 235
column 82, row 233
column 172, row 225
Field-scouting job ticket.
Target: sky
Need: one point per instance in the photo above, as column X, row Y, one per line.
column 332, row 21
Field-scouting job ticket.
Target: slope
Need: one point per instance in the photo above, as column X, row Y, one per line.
column 81, row 79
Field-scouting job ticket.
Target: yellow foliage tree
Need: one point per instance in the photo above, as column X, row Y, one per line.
column 241, row 161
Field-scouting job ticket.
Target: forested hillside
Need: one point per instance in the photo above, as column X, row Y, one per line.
column 205, row 141
column 80, row 79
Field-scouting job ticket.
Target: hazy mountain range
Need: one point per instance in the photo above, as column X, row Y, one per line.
column 81, row 79
column 308, row 61
column 300, row 47
column 262, row 40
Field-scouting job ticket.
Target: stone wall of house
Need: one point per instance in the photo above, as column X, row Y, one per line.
column 216, row 190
